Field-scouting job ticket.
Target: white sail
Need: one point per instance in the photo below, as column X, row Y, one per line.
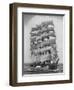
column 43, row 42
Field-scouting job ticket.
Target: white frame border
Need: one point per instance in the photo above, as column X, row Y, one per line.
column 34, row 78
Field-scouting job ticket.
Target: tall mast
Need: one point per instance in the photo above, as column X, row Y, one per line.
column 43, row 41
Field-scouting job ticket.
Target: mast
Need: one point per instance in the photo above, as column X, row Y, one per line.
column 43, row 42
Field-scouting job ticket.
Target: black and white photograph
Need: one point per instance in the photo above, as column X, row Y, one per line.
column 42, row 43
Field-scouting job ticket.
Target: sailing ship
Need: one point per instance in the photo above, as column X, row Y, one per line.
column 43, row 47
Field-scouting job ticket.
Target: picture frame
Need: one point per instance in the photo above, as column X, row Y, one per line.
column 33, row 61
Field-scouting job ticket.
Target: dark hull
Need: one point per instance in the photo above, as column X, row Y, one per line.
column 43, row 70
